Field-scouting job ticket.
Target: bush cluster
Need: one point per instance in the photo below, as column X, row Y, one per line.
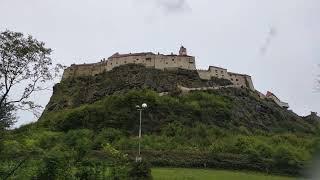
column 76, row 154
column 217, row 129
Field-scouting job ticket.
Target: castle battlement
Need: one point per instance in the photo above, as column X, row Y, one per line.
column 158, row 61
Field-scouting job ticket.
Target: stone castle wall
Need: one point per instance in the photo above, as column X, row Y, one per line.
column 158, row 61
column 239, row 80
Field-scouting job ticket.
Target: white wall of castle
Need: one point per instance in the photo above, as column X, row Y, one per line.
column 150, row 60
column 158, row 61
column 239, row 80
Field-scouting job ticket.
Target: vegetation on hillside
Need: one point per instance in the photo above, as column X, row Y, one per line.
column 226, row 108
column 75, row 91
column 191, row 130
column 208, row 174
column 89, row 130
column 34, row 153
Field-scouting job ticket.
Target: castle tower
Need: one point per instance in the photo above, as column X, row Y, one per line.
column 183, row 51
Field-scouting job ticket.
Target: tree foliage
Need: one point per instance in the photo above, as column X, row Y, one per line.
column 7, row 117
column 25, row 67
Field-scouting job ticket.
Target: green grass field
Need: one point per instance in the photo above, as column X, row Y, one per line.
column 201, row 174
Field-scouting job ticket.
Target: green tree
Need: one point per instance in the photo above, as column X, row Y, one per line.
column 56, row 165
column 25, row 67
column 6, row 120
column 6, row 117
column 140, row 171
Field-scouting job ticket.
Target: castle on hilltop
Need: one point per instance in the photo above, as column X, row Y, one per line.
column 167, row 62
column 158, row 61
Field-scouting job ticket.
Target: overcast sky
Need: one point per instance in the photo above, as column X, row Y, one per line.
column 274, row 41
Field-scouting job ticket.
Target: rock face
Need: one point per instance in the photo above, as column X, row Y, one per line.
column 73, row 92
column 223, row 107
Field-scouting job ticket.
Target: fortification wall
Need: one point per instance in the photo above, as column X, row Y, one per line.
column 239, row 80
column 171, row 61
column 83, row 70
column 213, row 72
column 158, row 61
column 147, row 59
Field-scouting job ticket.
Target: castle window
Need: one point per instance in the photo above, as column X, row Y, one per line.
column 216, row 70
column 137, row 59
column 190, row 62
column 216, row 74
column 237, row 79
column 172, row 59
column 148, row 59
column 222, row 72
column 125, row 61
column 231, row 79
column 166, row 62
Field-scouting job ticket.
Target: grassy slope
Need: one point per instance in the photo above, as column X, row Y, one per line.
column 227, row 108
column 74, row 92
column 196, row 128
column 228, row 128
column 201, row 174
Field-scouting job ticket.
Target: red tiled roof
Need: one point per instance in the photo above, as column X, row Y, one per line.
column 238, row 74
column 269, row 94
column 117, row 55
column 217, row 67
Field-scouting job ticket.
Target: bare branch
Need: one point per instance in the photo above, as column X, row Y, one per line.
column 24, row 61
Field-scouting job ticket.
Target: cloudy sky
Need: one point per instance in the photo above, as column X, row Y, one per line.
column 276, row 42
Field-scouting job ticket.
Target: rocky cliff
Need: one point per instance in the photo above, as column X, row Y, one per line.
column 227, row 107
column 73, row 92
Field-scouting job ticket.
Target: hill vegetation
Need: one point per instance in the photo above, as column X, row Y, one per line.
column 90, row 128
column 208, row 174
column 76, row 91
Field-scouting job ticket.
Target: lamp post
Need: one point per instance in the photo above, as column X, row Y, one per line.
column 140, row 109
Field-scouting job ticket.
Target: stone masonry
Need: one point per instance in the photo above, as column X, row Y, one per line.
column 158, row 61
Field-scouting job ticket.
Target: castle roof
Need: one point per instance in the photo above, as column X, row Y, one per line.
column 280, row 103
column 269, row 94
column 217, row 67
column 118, row 55
column 238, row 74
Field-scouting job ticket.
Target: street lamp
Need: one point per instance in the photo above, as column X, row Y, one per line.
column 140, row 109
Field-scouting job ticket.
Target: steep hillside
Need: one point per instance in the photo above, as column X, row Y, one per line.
column 106, row 97
column 93, row 120
column 226, row 128
column 73, row 92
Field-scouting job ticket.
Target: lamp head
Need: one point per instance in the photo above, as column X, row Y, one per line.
column 144, row 105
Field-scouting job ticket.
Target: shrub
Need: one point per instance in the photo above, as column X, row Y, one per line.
column 90, row 170
column 140, row 171
column 56, row 165
column 80, row 140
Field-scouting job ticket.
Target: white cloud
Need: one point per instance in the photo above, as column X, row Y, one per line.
column 173, row 6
